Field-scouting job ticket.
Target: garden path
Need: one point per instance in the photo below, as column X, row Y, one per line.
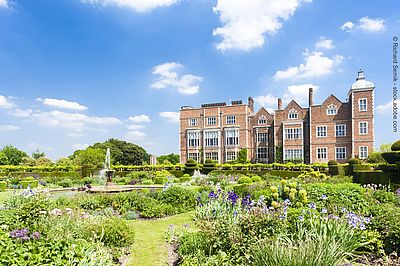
column 150, row 248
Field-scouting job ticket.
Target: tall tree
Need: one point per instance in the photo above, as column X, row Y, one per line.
column 92, row 157
column 38, row 154
column 172, row 158
column 13, row 155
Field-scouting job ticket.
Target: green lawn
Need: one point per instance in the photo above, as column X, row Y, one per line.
column 5, row 194
column 150, row 248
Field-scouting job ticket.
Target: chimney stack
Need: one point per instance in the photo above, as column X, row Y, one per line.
column 251, row 104
column 310, row 97
column 279, row 104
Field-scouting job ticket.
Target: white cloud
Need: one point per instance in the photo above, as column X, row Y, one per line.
column 299, row 93
column 135, row 135
column 7, row 128
column 3, row 3
column 79, row 146
column 246, row 23
column 62, row 104
column 365, row 24
column 73, row 121
column 315, row 65
column 22, row 113
column 348, row 26
column 386, row 107
column 324, row 43
column 169, row 77
column 137, row 5
column 139, row 118
column 5, row 102
column 135, row 127
column 170, row 116
column 267, row 100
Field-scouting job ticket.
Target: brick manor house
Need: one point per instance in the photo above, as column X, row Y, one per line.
column 333, row 130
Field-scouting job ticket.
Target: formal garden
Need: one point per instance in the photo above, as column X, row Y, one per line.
column 201, row 214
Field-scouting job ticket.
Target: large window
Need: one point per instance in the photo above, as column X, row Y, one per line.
column 293, row 154
column 212, row 120
column 340, row 130
column 262, row 137
column 331, row 110
column 212, row 156
column 192, row 122
column 193, row 156
column 211, row 138
column 293, row 133
column 232, row 137
column 262, row 120
column 363, row 128
column 193, row 138
column 231, row 156
column 321, row 131
column 231, row 119
column 322, row 153
column 262, row 152
column 340, row 153
column 362, row 105
column 363, row 152
column 293, row 114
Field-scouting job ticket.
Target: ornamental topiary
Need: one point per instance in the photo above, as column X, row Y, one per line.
column 391, row 156
column 332, row 162
column 3, row 185
column 354, row 161
column 396, row 146
column 256, row 178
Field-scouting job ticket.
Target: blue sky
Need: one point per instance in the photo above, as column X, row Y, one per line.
column 75, row 72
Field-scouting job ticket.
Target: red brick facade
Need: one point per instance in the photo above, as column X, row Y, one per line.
column 333, row 130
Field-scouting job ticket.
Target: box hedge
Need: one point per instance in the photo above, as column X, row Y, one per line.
column 3, row 185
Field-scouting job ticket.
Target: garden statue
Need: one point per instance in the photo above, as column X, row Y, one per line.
column 108, row 171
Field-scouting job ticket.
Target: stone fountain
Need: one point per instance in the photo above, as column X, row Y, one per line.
column 108, row 172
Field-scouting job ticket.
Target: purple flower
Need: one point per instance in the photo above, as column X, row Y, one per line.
column 362, row 226
column 324, row 210
column 21, row 234
column 324, row 197
column 35, row 235
column 301, row 218
column 212, row 195
column 232, row 197
column 246, row 201
column 312, row 205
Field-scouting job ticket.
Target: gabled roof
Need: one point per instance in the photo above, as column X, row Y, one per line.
column 262, row 109
column 291, row 103
column 331, row 97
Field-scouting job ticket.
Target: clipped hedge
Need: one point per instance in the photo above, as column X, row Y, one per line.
column 372, row 177
column 3, row 185
column 391, row 156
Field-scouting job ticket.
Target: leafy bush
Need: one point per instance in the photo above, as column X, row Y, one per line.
column 332, row 162
column 3, row 185
column 245, row 180
column 395, row 146
column 147, row 182
column 160, row 180
column 354, row 161
column 65, row 183
column 391, row 156
column 185, row 178
column 209, row 165
column 256, row 178
column 29, row 182
column 190, row 166
column 180, row 198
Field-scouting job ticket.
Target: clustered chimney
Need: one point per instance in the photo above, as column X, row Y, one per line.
column 310, row 97
column 279, row 104
column 251, row 104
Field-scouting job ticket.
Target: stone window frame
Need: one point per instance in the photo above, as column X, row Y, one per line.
column 211, row 141
column 259, row 139
column 230, row 119
column 294, row 113
column 336, row 153
column 235, row 137
column 318, row 153
column 299, row 133
column 211, row 120
column 211, row 156
column 366, row 105
column 264, row 153
column 192, row 122
column 326, row 131
column 294, row 151
column 231, row 155
column 360, row 153
column 331, row 107
column 193, row 155
column 196, row 141
column 366, row 128
column 262, row 120
column 345, row 130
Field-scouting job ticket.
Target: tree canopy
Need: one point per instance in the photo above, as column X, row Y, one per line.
column 10, row 155
column 172, row 158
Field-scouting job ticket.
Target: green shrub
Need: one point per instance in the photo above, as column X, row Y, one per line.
column 391, row 157
column 185, row 178
column 190, row 166
column 244, row 180
column 65, row 183
column 256, row 178
column 209, row 165
column 395, row 146
column 180, row 198
column 160, row 180
column 354, row 161
column 332, row 162
column 147, row 182
column 3, row 185
column 27, row 183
